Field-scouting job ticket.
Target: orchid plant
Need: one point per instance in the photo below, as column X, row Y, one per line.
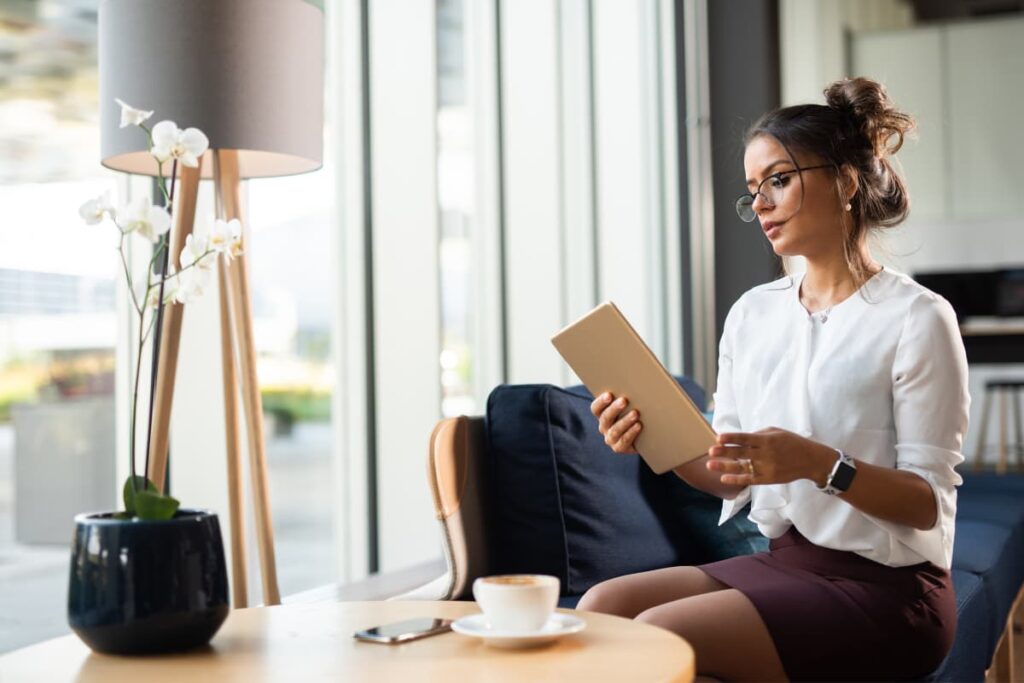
column 164, row 285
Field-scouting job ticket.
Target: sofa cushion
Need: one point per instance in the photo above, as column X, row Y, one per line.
column 997, row 507
column 991, row 482
column 968, row 658
column 569, row 601
column 976, row 508
column 565, row 504
column 987, row 550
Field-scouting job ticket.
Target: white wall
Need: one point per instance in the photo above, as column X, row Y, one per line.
column 813, row 37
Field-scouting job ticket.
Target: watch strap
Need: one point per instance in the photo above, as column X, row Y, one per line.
column 841, row 476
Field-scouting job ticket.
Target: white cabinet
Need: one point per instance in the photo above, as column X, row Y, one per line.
column 985, row 62
column 964, row 83
column 908, row 63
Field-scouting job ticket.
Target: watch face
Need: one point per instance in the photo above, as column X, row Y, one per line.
column 843, row 476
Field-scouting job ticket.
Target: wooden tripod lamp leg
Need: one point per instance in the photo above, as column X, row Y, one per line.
column 239, row 582
column 184, row 220
column 227, row 180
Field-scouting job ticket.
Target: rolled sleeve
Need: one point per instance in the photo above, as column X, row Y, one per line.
column 930, row 411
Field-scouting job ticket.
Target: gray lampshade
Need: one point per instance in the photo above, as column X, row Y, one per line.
column 248, row 73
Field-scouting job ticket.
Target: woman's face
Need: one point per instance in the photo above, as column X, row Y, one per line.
column 794, row 227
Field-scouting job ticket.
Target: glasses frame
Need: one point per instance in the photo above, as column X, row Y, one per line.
column 773, row 176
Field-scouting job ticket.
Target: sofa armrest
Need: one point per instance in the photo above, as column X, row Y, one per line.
column 456, row 474
column 438, row 589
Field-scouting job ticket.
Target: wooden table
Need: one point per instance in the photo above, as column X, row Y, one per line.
column 313, row 642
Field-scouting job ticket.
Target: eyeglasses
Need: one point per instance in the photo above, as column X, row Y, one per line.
column 773, row 194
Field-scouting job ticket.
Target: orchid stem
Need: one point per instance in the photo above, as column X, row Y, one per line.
column 135, row 403
column 128, row 276
column 160, row 307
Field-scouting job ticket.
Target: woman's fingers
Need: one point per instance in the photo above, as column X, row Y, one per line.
column 731, row 452
column 598, row 405
column 736, row 471
column 739, row 439
column 737, row 479
column 625, row 442
column 727, row 465
column 621, row 426
column 618, row 428
column 611, row 413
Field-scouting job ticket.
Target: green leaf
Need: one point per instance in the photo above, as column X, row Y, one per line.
column 128, row 493
column 151, row 505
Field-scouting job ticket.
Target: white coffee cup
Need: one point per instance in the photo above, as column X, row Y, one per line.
column 517, row 602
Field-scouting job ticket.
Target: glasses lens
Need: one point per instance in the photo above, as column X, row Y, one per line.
column 745, row 208
column 774, row 188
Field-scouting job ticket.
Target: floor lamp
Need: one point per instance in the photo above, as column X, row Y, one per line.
column 249, row 74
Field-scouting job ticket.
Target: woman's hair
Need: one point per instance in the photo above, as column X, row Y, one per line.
column 858, row 127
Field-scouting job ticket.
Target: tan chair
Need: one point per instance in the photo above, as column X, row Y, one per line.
column 455, row 474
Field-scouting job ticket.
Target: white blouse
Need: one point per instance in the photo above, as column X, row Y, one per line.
column 883, row 377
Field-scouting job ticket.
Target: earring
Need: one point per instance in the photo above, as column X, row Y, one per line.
column 847, row 207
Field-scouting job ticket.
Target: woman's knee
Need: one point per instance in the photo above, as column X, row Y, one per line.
column 653, row 616
column 595, row 598
column 606, row 597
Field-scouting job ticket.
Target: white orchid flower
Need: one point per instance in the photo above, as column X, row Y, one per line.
column 130, row 116
column 190, row 284
column 195, row 249
column 93, row 211
column 141, row 216
column 171, row 285
column 226, row 238
column 170, row 142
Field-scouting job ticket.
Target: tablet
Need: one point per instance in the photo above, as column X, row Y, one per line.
column 607, row 354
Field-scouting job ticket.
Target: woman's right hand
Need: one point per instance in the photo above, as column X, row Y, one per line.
column 619, row 429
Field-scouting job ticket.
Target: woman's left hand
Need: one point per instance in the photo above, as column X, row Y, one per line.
column 769, row 456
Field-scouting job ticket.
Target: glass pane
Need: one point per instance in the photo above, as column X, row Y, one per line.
column 57, row 312
column 292, row 282
column 456, row 192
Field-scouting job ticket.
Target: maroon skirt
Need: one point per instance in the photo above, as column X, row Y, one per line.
column 837, row 616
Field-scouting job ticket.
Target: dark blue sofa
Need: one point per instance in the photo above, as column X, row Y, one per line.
column 558, row 501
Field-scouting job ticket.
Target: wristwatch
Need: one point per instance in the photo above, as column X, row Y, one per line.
column 841, row 476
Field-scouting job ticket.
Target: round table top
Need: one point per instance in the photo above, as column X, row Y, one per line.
column 307, row 642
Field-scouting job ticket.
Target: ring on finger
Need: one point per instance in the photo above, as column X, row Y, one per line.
column 749, row 465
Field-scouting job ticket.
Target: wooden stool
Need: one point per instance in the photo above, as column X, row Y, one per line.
column 1005, row 388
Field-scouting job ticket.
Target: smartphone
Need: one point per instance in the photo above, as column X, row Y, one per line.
column 404, row 631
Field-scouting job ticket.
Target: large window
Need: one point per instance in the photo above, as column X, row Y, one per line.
column 517, row 176
column 57, row 310
column 456, row 191
column 290, row 271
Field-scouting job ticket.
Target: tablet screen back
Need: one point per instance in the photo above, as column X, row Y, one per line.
column 607, row 354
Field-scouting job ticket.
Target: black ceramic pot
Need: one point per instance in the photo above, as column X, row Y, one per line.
column 141, row 587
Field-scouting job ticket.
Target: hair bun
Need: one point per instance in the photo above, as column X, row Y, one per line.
column 866, row 105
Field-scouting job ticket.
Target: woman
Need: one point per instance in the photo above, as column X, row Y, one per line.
column 840, row 411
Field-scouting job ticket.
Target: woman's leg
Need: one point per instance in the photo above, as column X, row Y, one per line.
column 628, row 596
column 726, row 632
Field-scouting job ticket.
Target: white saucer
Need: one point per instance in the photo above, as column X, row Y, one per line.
column 557, row 625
